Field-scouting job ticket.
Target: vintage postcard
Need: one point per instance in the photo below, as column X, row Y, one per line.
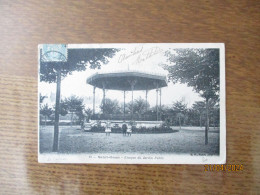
column 145, row 103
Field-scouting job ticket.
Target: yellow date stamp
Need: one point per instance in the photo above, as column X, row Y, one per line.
column 231, row 167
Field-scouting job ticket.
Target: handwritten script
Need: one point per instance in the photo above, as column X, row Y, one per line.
column 140, row 54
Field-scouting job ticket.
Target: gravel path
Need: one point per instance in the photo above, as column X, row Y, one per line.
column 75, row 141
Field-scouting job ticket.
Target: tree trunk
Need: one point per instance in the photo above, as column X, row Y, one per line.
column 82, row 123
column 57, row 112
column 71, row 119
column 132, row 105
column 45, row 121
column 207, row 121
column 180, row 121
column 124, row 105
column 200, row 121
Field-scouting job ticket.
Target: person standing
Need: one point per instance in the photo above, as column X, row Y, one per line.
column 108, row 128
column 129, row 131
column 124, row 128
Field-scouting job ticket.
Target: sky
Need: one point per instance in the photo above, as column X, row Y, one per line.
column 141, row 57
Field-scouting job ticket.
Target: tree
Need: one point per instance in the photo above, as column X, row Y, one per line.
column 199, row 107
column 46, row 111
column 77, row 60
column 88, row 113
column 42, row 98
column 83, row 115
column 110, row 106
column 63, row 108
column 180, row 109
column 139, row 106
column 166, row 114
column 198, row 68
column 192, row 117
column 214, row 115
column 74, row 105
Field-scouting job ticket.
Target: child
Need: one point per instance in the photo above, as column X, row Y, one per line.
column 124, row 128
column 108, row 128
column 129, row 131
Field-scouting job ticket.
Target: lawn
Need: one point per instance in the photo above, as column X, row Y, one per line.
column 72, row 140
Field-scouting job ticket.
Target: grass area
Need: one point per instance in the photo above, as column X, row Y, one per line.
column 72, row 140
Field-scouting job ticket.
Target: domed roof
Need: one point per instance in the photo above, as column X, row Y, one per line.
column 123, row 80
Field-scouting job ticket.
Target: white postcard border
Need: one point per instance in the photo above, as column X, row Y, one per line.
column 143, row 158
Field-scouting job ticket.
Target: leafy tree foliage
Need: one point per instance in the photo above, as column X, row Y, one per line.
column 88, row 113
column 73, row 105
column 42, row 98
column 110, row 106
column 180, row 108
column 46, row 111
column 193, row 117
column 199, row 107
column 78, row 60
column 139, row 106
column 84, row 115
column 63, row 108
column 198, row 68
column 215, row 115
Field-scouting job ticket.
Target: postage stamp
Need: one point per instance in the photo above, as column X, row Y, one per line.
column 54, row 53
column 132, row 103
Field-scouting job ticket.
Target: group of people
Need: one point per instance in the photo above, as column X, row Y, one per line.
column 126, row 131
